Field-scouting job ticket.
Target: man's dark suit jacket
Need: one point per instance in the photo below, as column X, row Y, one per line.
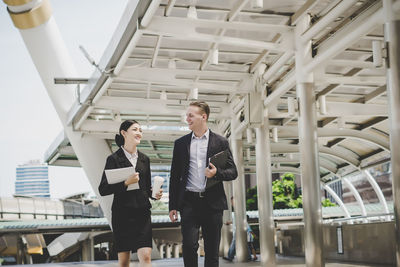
column 132, row 198
column 215, row 194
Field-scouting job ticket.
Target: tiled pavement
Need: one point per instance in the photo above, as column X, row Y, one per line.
column 281, row 262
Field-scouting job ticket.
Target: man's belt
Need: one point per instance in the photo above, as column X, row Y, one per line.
column 195, row 194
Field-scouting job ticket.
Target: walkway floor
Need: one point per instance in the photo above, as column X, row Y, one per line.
column 281, row 262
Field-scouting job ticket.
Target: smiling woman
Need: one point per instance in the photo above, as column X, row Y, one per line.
column 131, row 220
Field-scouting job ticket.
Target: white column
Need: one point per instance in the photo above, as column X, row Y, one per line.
column 51, row 58
column 309, row 161
column 177, row 248
column 161, row 249
column 264, row 195
column 239, row 194
column 168, row 251
column 392, row 35
column 226, row 234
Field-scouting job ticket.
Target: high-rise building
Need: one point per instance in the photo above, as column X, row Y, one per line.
column 32, row 180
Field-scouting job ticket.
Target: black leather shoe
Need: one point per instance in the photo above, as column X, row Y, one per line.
column 227, row 259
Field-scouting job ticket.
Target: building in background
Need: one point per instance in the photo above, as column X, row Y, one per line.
column 32, row 179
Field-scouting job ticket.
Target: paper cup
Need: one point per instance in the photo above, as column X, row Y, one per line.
column 158, row 181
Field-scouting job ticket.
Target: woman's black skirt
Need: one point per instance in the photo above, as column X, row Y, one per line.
column 131, row 229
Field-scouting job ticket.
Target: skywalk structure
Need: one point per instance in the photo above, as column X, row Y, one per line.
column 312, row 85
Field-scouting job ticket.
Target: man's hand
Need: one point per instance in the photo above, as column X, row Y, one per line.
column 173, row 215
column 132, row 179
column 210, row 172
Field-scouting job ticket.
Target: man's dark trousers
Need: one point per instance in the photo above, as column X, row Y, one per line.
column 197, row 213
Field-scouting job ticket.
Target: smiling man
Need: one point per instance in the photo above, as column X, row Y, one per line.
column 196, row 188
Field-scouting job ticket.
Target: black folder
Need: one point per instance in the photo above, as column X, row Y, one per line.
column 219, row 160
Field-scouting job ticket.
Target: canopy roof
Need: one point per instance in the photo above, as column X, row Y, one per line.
column 163, row 54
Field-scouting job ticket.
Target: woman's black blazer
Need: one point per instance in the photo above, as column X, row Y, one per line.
column 132, row 198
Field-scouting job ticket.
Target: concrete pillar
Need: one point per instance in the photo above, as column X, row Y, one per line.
column 226, row 233
column 310, row 177
column 168, row 251
column 309, row 161
column 20, row 251
column 264, row 195
column 161, row 249
column 239, row 194
column 392, row 40
column 88, row 249
column 177, row 248
column 51, row 58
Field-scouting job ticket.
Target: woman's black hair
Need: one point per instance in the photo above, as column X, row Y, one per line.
column 119, row 138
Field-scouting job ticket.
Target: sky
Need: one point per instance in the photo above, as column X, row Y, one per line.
column 29, row 123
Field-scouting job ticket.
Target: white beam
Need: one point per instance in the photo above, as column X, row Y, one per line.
column 338, row 200
column 377, row 140
column 356, row 196
column 280, row 90
column 278, row 64
column 169, row 7
column 351, row 63
column 349, row 34
column 354, row 80
column 239, row 5
column 326, row 20
column 203, row 86
column 156, row 49
column 288, row 148
column 342, row 109
column 161, row 24
column 137, row 72
column 179, row 34
column 378, row 192
column 151, row 10
column 304, row 9
column 164, row 107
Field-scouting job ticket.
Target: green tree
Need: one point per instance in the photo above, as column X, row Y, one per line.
column 327, row 203
column 285, row 194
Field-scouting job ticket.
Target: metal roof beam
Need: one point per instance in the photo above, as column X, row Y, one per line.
column 169, row 7
column 292, row 132
column 341, row 109
column 137, row 72
column 355, row 80
column 304, row 9
column 164, row 107
column 371, row 96
column 288, row 148
column 156, row 49
column 239, row 5
column 346, row 36
column 180, row 34
column 186, row 25
column 202, row 86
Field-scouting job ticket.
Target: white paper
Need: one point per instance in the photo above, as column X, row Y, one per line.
column 119, row 175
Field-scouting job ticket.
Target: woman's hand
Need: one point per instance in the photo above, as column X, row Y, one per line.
column 132, row 179
column 159, row 194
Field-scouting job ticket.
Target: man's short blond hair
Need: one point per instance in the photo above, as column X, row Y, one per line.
column 204, row 108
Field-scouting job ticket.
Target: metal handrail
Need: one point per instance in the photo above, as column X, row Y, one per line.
column 360, row 217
